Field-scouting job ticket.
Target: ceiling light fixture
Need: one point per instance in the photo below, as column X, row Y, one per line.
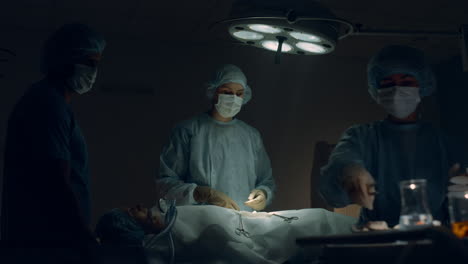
column 247, row 35
column 304, row 27
column 274, row 45
column 311, row 47
column 311, row 31
column 305, row 37
column 265, row 28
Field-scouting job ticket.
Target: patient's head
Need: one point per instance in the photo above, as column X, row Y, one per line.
column 128, row 226
column 151, row 220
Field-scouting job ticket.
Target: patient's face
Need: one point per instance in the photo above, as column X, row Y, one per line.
column 151, row 223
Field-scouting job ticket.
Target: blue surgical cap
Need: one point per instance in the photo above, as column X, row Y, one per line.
column 226, row 74
column 400, row 60
column 117, row 227
column 68, row 44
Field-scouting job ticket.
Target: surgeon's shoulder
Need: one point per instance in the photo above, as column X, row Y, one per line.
column 58, row 108
column 43, row 103
column 248, row 128
column 363, row 129
column 189, row 126
column 429, row 127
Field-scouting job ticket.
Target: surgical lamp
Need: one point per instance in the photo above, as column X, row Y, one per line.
column 303, row 28
column 275, row 26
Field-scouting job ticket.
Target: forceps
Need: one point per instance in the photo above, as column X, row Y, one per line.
column 240, row 230
column 287, row 219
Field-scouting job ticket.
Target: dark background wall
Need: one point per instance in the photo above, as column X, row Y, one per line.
column 148, row 81
column 453, row 91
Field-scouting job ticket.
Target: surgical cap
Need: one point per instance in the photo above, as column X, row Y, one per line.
column 117, row 227
column 226, row 74
column 68, row 44
column 400, row 60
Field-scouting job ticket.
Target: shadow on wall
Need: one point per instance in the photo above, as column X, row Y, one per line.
column 453, row 95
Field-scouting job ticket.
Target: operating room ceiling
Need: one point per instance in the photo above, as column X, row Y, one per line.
column 189, row 20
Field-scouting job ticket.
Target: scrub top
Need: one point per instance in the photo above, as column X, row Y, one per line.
column 41, row 131
column 391, row 153
column 226, row 156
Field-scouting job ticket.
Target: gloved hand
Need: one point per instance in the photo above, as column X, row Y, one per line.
column 257, row 200
column 205, row 194
column 359, row 185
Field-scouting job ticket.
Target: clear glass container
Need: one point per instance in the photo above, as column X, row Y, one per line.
column 458, row 210
column 415, row 211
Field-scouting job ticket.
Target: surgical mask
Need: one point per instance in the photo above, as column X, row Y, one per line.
column 399, row 101
column 83, row 78
column 229, row 105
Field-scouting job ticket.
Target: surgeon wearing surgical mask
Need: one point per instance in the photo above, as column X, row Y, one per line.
column 46, row 186
column 370, row 160
column 215, row 158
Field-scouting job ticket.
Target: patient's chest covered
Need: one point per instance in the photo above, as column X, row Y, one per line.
column 211, row 233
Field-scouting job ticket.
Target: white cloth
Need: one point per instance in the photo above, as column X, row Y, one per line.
column 208, row 233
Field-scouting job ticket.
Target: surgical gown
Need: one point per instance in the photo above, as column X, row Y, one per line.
column 226, row 156
column 391, row 153
column 42, row 129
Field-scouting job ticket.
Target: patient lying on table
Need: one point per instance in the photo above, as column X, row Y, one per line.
column 202, row 231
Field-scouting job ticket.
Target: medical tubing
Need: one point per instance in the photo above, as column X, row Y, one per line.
column 171, row 244
column 172, row 215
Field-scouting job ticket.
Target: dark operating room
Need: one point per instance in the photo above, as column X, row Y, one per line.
column 159, row 60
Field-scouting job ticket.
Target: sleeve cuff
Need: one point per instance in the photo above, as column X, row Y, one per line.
column 182, row 194
column 268, row 192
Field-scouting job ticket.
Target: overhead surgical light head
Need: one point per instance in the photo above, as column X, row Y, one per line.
column 285, row 26
column 285, row 23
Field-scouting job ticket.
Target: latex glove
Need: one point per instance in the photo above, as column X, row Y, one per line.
column 204, row 194
column 256, row 200
column 359, row 185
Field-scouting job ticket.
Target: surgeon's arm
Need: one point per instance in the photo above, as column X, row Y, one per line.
column 59, row 172
column 345, row 161
column 53, row 136
column 265, row 180
column 174, row 169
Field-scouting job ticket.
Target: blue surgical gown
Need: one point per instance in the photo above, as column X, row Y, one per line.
column 391, row 153
column 226, row 156
column 41, row 130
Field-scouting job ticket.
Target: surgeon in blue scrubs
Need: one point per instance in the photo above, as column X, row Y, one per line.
column 215, row 158
column 46, row 186
column 377, row 156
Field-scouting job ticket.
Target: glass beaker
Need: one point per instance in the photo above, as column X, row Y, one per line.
column 458, row 210
column 414, row 209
